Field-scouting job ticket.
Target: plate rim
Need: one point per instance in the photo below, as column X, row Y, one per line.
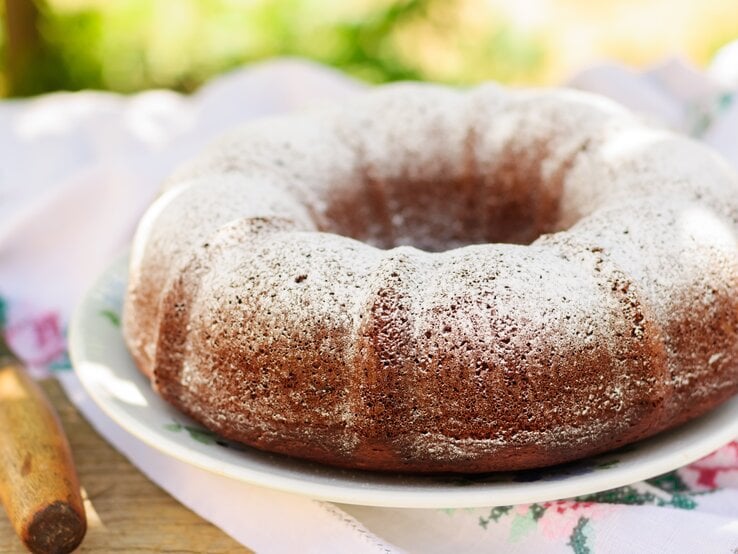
column 474, row 495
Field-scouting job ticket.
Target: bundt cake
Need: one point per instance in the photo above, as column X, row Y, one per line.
column 432, row 280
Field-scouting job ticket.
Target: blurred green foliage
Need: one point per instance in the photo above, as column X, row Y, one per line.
column 131, row 45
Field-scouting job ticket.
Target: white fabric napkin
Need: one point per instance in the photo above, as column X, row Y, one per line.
column 77, row 171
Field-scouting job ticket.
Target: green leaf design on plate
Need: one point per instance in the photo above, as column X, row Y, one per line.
column 607, row 464
column 201, row 435
column 196, row 433
column 111, row 316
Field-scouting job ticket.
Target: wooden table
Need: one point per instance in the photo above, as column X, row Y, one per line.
column 125, row 511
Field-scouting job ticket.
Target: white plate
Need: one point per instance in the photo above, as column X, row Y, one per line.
column 108, row 373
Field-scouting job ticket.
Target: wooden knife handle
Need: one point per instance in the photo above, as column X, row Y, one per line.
column 38, row 483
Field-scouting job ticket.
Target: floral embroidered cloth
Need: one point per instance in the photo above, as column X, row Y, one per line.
column 78, row 170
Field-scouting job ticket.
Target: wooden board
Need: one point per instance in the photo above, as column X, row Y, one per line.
column 125, row 511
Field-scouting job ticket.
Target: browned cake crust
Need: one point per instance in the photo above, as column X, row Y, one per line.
column 432, row 280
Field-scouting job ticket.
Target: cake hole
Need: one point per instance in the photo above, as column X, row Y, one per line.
column 400, row 206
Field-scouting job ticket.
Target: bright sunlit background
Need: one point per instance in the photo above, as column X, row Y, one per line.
column 129, row 45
